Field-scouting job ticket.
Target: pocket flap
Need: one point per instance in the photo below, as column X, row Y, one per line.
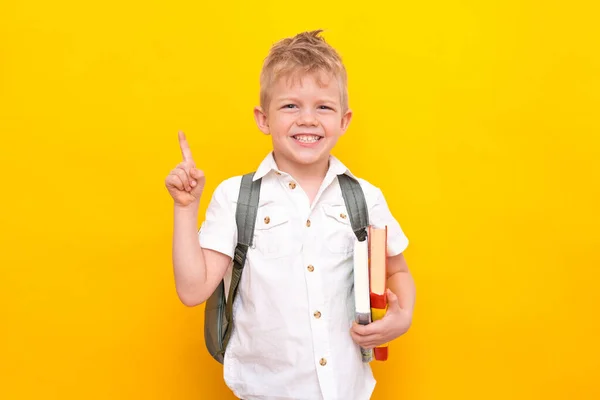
column 270, row 217
column 337, row 212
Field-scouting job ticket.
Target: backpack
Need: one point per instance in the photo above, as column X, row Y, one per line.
column 218, row 312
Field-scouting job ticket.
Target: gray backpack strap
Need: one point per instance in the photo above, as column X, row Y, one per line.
column 245, row 215
column 356, row 205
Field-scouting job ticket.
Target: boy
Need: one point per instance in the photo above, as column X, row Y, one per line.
column 294, row 335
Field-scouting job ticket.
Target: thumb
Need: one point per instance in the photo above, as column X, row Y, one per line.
column 392, row 300
column 199, row 178
column 195, row 173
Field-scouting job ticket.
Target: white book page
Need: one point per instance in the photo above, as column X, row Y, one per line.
column 361, row 276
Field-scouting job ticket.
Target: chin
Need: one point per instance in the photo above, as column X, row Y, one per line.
column 309, row 159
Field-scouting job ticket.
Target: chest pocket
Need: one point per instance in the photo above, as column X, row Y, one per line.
column 273, row 234
column 339, row 237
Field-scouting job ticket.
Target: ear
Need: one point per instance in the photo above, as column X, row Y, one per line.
column 346, row 120
column 261, row 120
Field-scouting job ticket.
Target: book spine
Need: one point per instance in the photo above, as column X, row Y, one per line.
column 378, row 311
column 367, row 355
column 378, row 300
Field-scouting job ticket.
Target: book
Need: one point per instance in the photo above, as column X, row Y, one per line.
column 362, row 302
column 377, row 238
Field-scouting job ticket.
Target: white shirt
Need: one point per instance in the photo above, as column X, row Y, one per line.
column 295, row 302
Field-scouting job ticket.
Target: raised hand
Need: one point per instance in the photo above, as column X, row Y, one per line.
column 185, row 183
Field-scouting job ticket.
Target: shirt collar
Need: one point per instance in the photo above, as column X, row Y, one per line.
column 268, row 164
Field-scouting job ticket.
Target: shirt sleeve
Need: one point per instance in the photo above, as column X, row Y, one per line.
column 218, row 231
column 380, row 216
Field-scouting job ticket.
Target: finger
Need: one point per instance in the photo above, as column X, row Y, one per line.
column 356, row 327
column 368, row 342
column 373, row 328
column 392, row 300
column 174, row 181
column 184, row 178
column 359, row 329
column 187, row 169
column 357, row 339
column 186, row 152
column 195, row 176
column 196, row 173
column 199, row 180
column 369, row 339
column 365, row 343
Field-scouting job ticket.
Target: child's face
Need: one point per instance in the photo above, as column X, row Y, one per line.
column 304, row 118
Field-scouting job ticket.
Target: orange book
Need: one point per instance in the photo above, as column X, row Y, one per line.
column 378, row 280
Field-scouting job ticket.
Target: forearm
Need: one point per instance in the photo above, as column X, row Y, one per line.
column 188, row 259
column 402, row 284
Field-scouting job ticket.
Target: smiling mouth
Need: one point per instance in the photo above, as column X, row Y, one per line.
column 307, row 138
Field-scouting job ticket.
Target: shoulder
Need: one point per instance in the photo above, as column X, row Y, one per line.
column 367, row 187
column 229, row 188
column 373, row 194
column 225, row 195
column 370, row 191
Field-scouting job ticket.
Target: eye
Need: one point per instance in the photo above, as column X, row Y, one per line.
column 289, row 106
column 325, row 108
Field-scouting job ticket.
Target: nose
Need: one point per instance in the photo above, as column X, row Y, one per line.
column 307, row 118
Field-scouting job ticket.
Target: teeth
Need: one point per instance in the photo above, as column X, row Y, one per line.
column 307, row 138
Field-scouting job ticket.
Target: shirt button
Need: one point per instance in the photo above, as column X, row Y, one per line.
column 310, row 268
column 292, row 185
column 323, row 361
column 267, row 220
column 317, row 314
column 308, row 222
column 278, row 173
column 343, row 215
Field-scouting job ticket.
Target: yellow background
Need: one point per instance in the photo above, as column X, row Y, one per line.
column 482, row 115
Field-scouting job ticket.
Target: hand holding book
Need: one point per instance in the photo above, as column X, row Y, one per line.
column 378, row 333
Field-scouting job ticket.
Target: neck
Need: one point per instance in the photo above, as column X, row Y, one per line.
column 306, row 175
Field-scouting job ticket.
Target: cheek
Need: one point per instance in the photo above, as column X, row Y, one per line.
column 333, row 126
column 282, row 123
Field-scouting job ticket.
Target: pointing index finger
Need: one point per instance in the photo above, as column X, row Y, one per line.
column 185, row 148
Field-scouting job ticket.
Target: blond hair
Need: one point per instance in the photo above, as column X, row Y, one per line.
column 304, row 53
